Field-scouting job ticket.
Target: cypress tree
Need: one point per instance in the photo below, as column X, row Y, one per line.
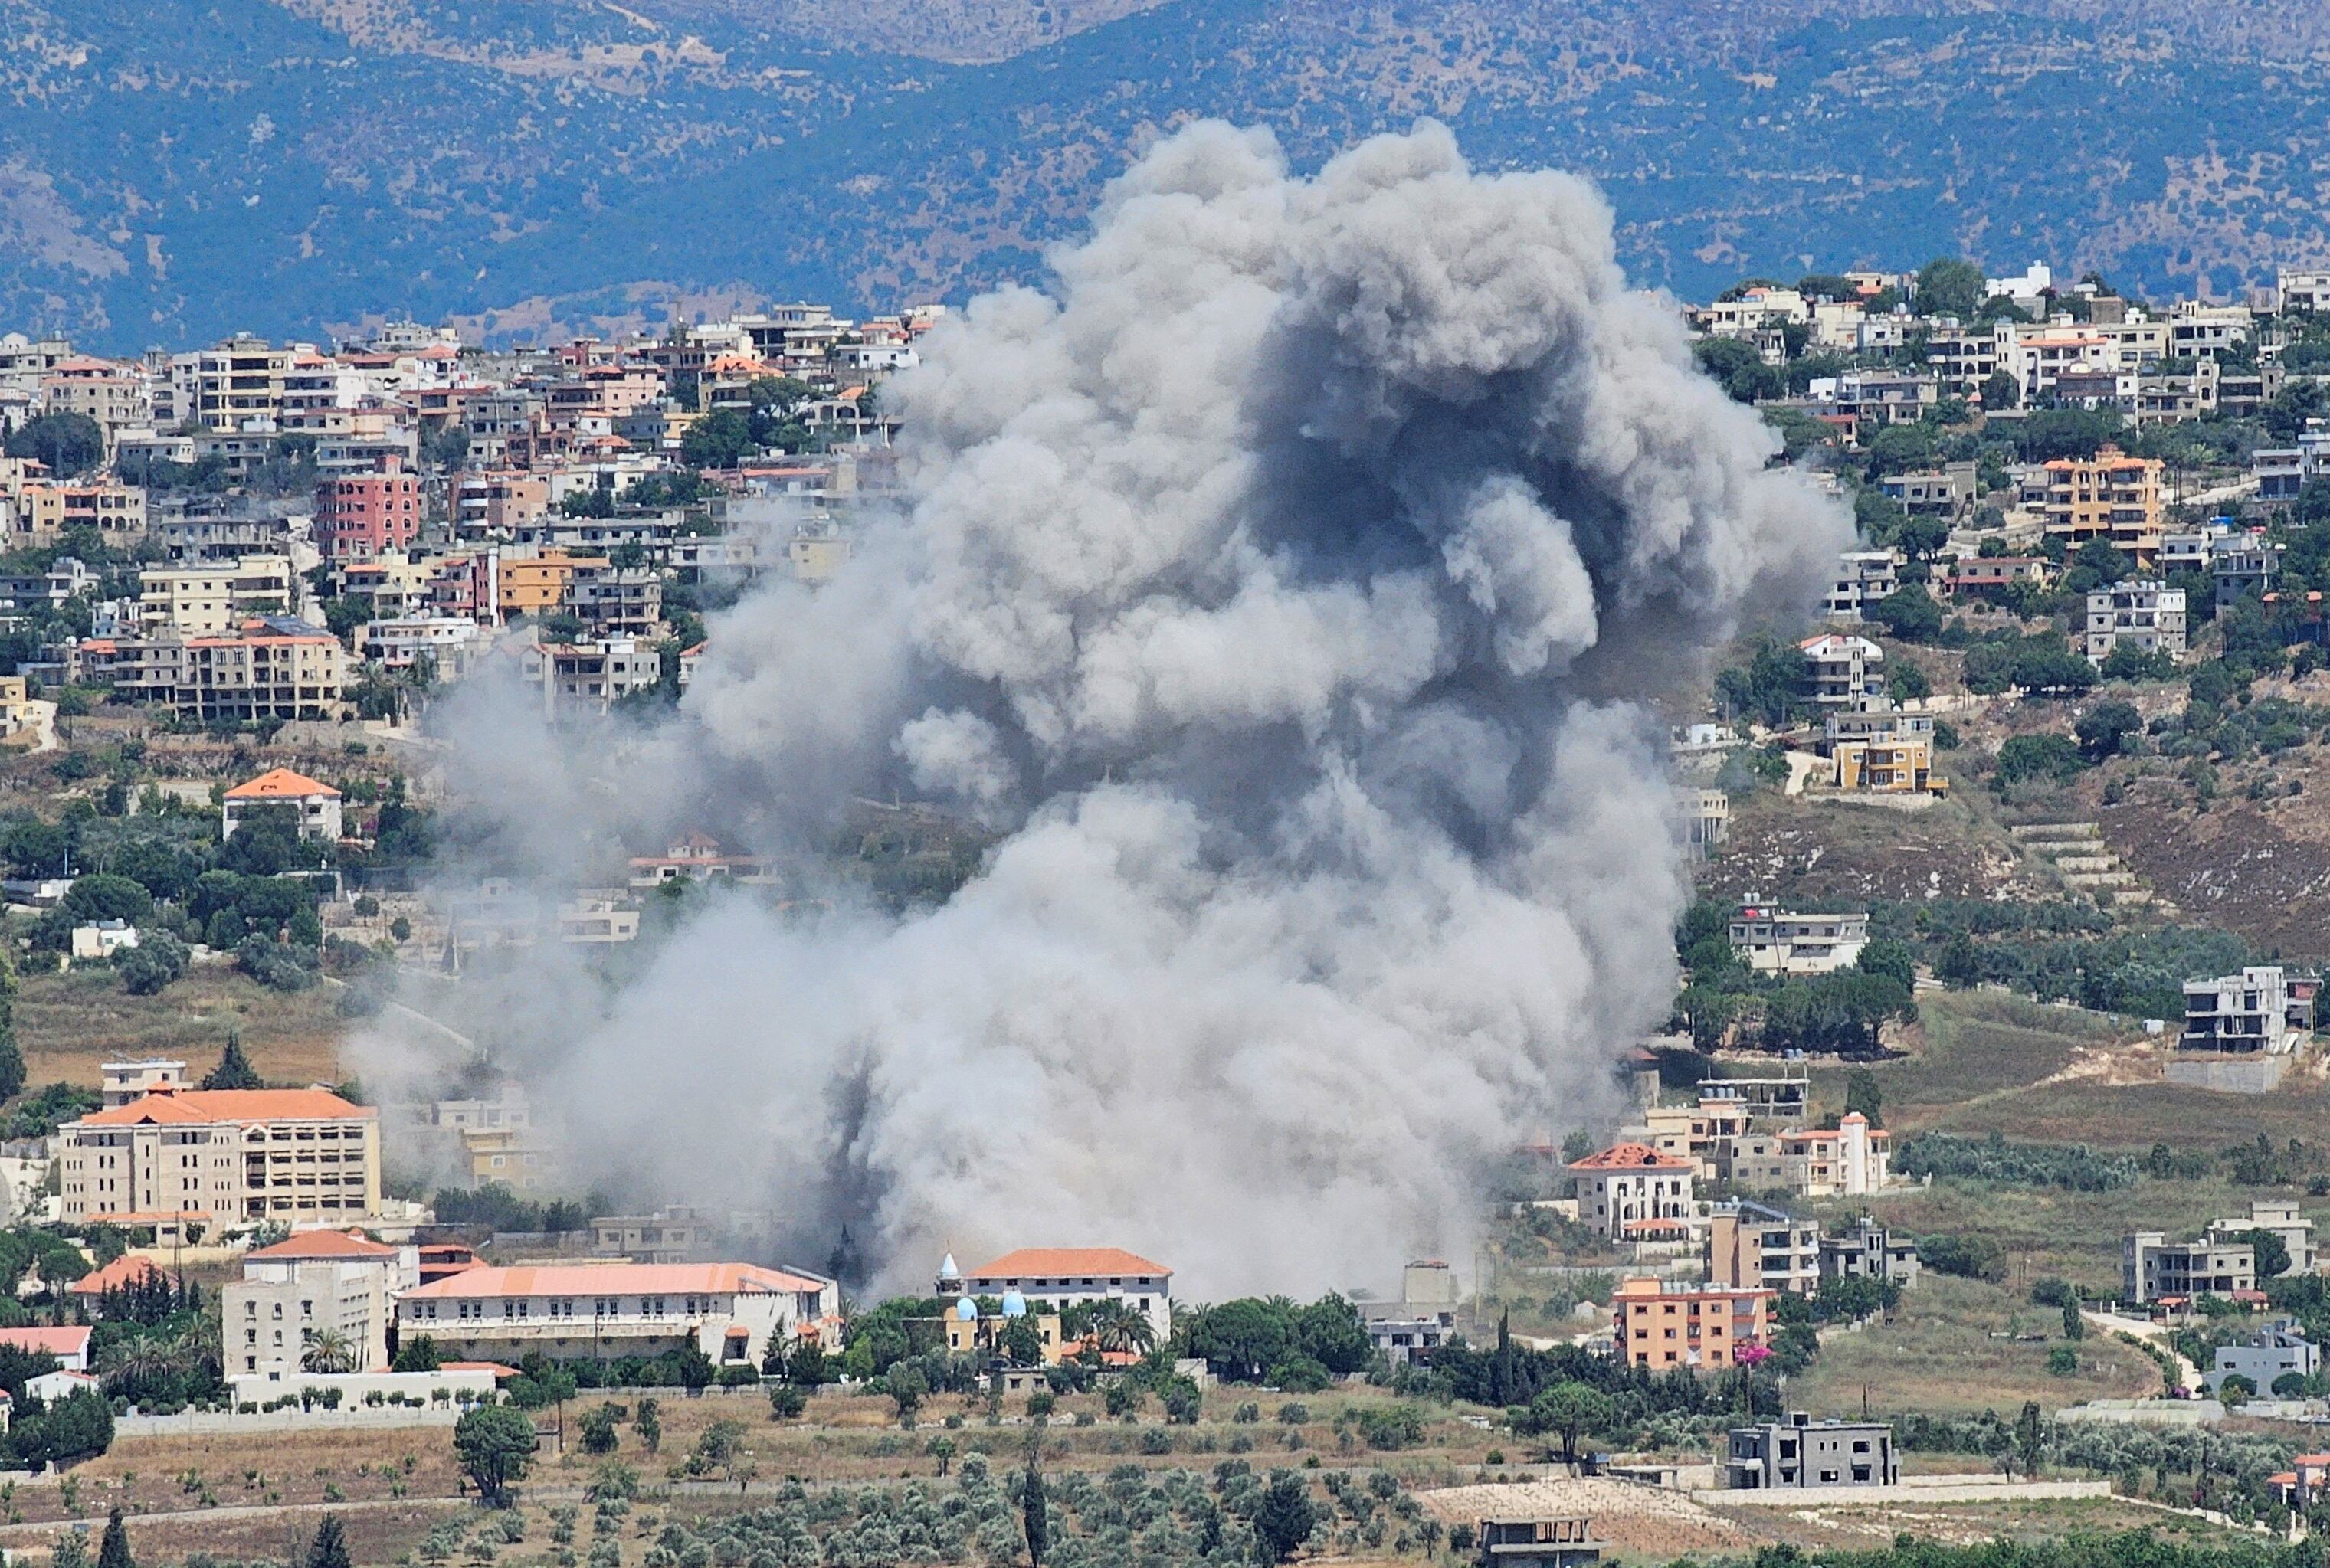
column 330, row 1547
column 234, row 1069
column 113, row 1551
column 1032, row 1508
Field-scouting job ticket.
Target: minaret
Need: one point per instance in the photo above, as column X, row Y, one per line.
column 950, row 1281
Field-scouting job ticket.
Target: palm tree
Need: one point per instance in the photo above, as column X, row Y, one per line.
column 1116, row 1326
column 327, row 1350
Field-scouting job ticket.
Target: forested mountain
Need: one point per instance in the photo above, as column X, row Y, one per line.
column 172, row 169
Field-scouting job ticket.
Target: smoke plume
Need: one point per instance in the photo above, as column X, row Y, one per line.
column 1285, row 587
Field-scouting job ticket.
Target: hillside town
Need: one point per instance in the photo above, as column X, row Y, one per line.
column 1974, row 1175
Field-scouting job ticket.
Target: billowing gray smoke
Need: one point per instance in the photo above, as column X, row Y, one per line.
column 1284, row 585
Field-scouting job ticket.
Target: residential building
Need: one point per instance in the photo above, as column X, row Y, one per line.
column 1948, row 493
column 314, row 804
column 68, row 1345
column 1661, row 1324
column 612, row 603
column 1750, row 1246
column 124, row 1081
column 239, row 383
column 603, row 1310
column 2245, row 569
column 221, row 1157
column 1778, row 941
column 2303, row 290
column 207, row 599
column 590, row 676
column 129, row 1273
column 112, row 396
column 2281, row 1218
column 2264, row 1008
column 100, row 939
column 1708, row 822
column 2274, row 1352
column 2111, row 497
column 278, row 668
column 695, row 857
column 1870, row 1251
column 445, row 644
column 321, row 1291
column 971, row 1332
column 1798, row 1452
column 499, row 502
column 536, row 585
column 1863, row 578
column 1064, row 1277
column 1878, row 748
column 2154, row 1269
column 1843, row 668
column 1847, row 1160
column 1423, row 1318
column 1620, row 1187
column 2148, row 617
column 358, row 515
column 672, row 1234
column 1529, row 1541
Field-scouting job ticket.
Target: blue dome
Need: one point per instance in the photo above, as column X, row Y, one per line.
column 1015, row 1305
column 966, row 1309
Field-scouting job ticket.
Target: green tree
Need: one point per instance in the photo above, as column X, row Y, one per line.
column 113, row 1547
column 2000, row 391
column 1894, row 958
column 905, row 1386
column 2050, row 757
column 1862, row 1096
column 1739, row 369
column 717, row 440
column 329, row 1549
column 418, row 1354
column 2030, row 1438
column 1568, row 1411
column 2272, row 1253
column 493, row 1443
column 234, row 1069
column 66, row 444
column 649, row 1425
column 1034, row 1516
column 2074, row 1325
column 1960, row 965
column 2103, row 729
column 1285, row 1517
column 1909, row 613
column 1949, row 286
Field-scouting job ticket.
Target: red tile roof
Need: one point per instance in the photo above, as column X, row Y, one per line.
column 245, row 1105
column 278, row 784
column 1632, row 1157
column 71, row 1340
column 325, row 1245
column 1048, row 1261
column 613, row 1279
column 129, row 1269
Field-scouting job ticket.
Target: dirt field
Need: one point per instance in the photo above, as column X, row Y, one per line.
column 1788, row 848
column 67, row 1023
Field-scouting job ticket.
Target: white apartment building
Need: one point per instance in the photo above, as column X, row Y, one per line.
column 1782, row 942
column 216, row 1158
column 2282, row 1218
column 1628, row 1187
column 1062, row 1276
column 449, row 642
column 1848, row 1160
column 1844, row 670
column 605, row 1310
column 2306, row 290
column 207, row 599
column 2147, row 616
column 1863, row 578
column 590, row 676
column 295, row 1293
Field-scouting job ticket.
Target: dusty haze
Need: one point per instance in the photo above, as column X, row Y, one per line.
column 1281, row 585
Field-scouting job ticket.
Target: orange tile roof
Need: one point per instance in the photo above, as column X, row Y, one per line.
column 278, row 784
column 245, row 1105
column 1632, row 1157
column 1029, row 1261
column 325, row 1245
column 70, row 1340
column 613, row 1279
column 129, row 1269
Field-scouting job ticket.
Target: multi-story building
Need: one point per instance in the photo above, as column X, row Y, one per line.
column 590, row 676
column 112, row 396
column 1946, row 493
column 497, row 502
column 1849, row 1159
column 536, row 585
column 1870, row 1251
column 312, row 804
column 1064, row 1277
column 446, row 643
column 1878, row 748
column 1863, row 578
column 2111, row 497
column 216, row 1158
column 1993, row 573
column 613, row 603
column 2152, row 1268
column 198, row 600
column 2264, row 1008
column 322, row 1297
column 1628, row 1185
column 358, row 515
column 1782, row 942
column 2245, row 568
column 672, row 1234
column 1843, row 669
column 240, row 383
column 278, row 668
column 1798, row 1452
column 1661, row 1324
column 2148, row 617
column 1751, row 1246
column 2274, row 1352
column 603, row 1310
column 2281, row 1218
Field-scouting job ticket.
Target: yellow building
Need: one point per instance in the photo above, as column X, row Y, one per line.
column 2111, row 497
column 221, row 1157
column 536, row 585
column 1878, row 749
column 981, row 1335
column 504, row 1155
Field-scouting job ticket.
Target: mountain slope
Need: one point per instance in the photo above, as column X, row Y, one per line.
column 174, row 169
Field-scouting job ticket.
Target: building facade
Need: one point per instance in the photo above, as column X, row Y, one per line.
column 1064, row 1277
column 605, row 1311
column 221, row 1157
column 329, row 1292
column 1799, row 1451
column 1662, row 1324
column 2152, row 1268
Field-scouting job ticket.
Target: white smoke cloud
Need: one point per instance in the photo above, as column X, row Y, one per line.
column 1286, row 584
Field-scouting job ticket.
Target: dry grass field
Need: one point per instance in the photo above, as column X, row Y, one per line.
column 67, row 1024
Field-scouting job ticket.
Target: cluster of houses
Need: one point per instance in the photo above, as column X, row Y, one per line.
column 457, row 492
